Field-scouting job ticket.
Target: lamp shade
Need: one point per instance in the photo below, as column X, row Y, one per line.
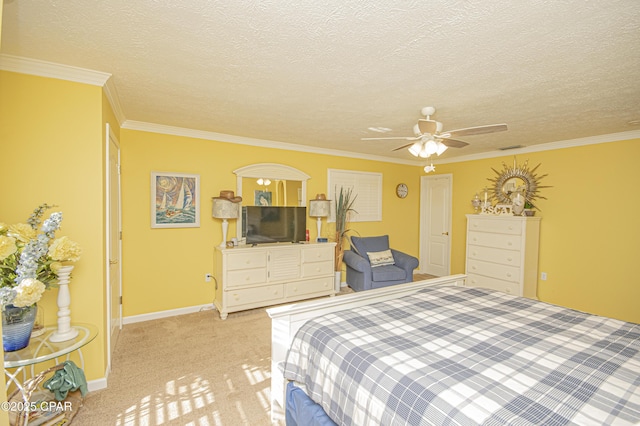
column 224, row 209
column 319, row 208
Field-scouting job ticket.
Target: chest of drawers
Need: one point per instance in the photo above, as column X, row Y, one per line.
column 252, row 277
column 502, row 253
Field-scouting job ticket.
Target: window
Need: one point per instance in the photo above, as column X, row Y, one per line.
column 367, row 189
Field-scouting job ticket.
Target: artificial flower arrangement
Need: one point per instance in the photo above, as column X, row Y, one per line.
column 30, row 259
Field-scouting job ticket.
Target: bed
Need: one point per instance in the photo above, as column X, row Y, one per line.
column 437, row 352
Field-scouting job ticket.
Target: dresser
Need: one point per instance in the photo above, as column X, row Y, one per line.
column 252, row 277
column 502, row 253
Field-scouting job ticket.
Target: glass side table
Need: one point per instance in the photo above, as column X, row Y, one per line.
column 41, row 349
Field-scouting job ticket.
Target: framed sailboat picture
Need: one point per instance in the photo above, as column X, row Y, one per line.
column 175, row 200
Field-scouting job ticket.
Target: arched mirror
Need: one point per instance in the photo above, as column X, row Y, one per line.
column 511, row 181
column 270, row 184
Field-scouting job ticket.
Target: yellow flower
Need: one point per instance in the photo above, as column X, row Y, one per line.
column 63, row 249
column 22, row 232
column 7, row 246
column 55, row 266
column 29, row 291
column 3, row 227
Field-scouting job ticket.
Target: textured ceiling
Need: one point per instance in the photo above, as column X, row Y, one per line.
column 321, row 73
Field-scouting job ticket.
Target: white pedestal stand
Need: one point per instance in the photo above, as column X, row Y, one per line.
column 65, row 331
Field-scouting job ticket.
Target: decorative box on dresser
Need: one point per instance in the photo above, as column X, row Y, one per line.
column 252, row 277
column 502, row 253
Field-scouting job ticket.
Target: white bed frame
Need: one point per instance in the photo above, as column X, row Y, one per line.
column 286, row 320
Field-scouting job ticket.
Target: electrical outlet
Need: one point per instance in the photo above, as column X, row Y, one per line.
column 207, row 277
column 543, row 276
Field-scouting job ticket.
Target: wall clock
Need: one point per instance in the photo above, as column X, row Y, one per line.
column 402, row 190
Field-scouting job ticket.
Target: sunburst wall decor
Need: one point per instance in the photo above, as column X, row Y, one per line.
column 517, row 179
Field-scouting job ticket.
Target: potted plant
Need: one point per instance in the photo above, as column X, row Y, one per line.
column 344, row 206
column 528, row 209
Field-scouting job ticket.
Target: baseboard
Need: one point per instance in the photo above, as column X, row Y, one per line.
column 166, row 314
column 96, row 385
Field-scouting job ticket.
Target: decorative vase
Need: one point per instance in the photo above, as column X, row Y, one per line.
column 17, row 324
column 65, row 331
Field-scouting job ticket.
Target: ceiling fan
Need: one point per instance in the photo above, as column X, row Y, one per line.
column 429, row 138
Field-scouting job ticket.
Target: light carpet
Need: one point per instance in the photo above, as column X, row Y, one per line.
column 190, row 369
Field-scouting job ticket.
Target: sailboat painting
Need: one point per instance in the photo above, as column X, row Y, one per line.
column 175, row 200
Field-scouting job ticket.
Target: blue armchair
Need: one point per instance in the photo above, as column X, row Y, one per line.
column 369, row 265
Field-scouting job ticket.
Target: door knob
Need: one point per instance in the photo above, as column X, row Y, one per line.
column 445, row 233
column 113, row 262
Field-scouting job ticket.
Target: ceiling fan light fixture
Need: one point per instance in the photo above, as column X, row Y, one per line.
column 415, row 149
column 441, row 148
column 416, row 130
column 431, row 147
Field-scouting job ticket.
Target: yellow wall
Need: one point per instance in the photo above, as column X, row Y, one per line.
column 590, row 234
column 164, row 269
column 51, row 133
column 52, row 138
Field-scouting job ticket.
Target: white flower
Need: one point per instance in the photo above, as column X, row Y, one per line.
column 28, row 292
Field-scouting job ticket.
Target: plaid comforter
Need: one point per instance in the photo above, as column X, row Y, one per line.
column 463, row 356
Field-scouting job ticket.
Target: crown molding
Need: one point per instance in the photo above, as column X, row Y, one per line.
column 264, row 143
column 111, row 93
column 569, row 143
column 52, row 70
column 68, row 73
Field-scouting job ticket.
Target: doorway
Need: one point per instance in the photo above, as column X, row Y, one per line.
column 114, row 244
column 435, row 224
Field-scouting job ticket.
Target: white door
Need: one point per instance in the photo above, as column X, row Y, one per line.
column 435, row 225
column 114, row 268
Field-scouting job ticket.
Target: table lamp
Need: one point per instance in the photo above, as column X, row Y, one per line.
column 319, row 207
column 225, row 208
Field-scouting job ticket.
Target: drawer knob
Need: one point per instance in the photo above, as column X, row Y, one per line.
column 508, row 291
column 473, row 267
column 509, row 275
column 509, row 243
column 474, row 253
column 510, row 259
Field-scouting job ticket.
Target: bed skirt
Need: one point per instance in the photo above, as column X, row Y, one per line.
column 302, row 411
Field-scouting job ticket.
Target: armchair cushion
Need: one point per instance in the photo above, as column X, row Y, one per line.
column 380, row 258
column 363, row 245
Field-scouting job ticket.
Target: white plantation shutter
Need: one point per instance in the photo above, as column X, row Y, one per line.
column 367, row 189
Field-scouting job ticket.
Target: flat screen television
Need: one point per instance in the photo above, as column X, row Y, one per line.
column 274, row 224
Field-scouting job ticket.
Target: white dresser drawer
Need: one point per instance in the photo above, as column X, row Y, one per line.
column 246, row 277
column 303, row 288
column 503, row 241
column 317, row 269
column 494, row 270
column 253, row 295
column 500, row 226
column 495, row 255
column 257, row 259
column 494, row 284
column 317, row 254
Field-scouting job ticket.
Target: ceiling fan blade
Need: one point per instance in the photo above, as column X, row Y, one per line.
column 402, row 147
column 478, row 130
column 454, row 143
column 427, row 126
column 403, row 138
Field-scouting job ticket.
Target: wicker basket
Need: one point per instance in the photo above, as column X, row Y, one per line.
column 32, row 385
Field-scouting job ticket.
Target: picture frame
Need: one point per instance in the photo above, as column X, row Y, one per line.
column 262, row 198
column 175, row 200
